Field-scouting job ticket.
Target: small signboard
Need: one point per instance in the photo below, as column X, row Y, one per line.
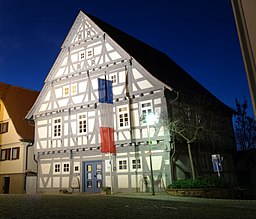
column 216, row 162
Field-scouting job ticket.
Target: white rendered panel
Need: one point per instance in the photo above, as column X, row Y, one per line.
column 56, row 182
column 42, row 132
column 136, row 74
column 45, row 168
column 65, row 182
column 122, row 181
column 144, row 84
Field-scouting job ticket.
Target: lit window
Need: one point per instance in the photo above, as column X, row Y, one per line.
column 82, row 123
column 5, row 154
column 15, row 153
column 66, row 91
column 123, row 117
column 146, row 108
column 74, row 88
column 122, row 164
column 57, row 168
column 66, row 167
column 57, row 127
column 3, row 127
column 136, row 164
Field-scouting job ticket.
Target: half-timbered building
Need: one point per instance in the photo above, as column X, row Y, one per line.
column 92, row 118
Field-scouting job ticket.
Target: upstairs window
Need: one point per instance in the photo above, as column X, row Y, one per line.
column 74, row 88
column 5, row 154
column 145, row 109
column 66, row 91
column 123, row 117
column 82, row 123
column 3, row 127
column 56, row 127
column 15, row 153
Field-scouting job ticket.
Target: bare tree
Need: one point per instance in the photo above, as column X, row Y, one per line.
column 245, row 127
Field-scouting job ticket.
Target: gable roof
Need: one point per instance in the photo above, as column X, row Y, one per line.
column 18, row 102
column 158, row 64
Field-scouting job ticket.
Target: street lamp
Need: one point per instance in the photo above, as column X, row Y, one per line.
column 151, row 120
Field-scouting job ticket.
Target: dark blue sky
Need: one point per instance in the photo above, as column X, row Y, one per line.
column 198, row 35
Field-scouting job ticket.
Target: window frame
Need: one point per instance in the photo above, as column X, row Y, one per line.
column 126, row 120
column 122, row 164
column 4, row 127
column 17, row 153
column 65, row 169
column 147, row 109
column 7, row 155
column 133, row 168
column 82, row 120
column 56, row 127
column 56, row 168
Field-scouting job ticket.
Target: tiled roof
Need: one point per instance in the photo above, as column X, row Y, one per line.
column 18, row 102
column 157, row 63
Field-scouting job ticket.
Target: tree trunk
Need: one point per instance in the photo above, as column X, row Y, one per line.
column 191, row 161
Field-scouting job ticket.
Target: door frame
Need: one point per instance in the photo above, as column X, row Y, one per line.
column 94, row 163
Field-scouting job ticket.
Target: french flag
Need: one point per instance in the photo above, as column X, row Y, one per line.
column 106, row 116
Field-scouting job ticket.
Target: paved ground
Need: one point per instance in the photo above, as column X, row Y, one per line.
column 122, row 206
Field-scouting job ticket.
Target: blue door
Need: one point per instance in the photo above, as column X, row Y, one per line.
column 92, row 176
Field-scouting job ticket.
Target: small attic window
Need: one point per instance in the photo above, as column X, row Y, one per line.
column 88, row 33
column 79, row 36
column 81, row 55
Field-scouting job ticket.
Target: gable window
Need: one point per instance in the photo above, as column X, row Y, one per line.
column 74, row 89
column 113, row 78
column 123, row 117
column 81, row 55
column 15, row 153
column 145, row 109
column 5, row 154
column 65, row 91
column 82, row 123
column 89, row 53
column 3, row 127
column 57, row 127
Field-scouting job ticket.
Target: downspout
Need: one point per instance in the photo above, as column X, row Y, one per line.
column 26, row 164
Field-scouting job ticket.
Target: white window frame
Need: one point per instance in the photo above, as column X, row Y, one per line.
column 89, row 53
column 64, row 168
column 126, row 120
column 145, row 110
column 132, row 164
column 74, row 88
column 58, row 126
column 113, row 78
column 54, row 168
column 81, row 120
column 81, row 56
column 66, row 88
column 118, row 164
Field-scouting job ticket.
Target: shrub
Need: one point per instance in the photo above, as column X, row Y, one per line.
column 207, row 182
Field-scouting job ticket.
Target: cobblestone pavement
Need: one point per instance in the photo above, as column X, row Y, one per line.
column 135, row 205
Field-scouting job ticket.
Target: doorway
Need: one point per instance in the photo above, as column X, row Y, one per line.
column 92, row 176
column 6, row 185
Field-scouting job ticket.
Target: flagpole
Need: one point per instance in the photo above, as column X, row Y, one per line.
column 111, row 178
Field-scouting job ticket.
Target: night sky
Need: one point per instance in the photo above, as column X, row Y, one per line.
column 198, row 35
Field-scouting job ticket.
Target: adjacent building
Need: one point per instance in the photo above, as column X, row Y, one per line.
column 16, row 138
column 100, row 119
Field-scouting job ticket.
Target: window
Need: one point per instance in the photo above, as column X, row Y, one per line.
column 74, row 89
column 82, row 123
column 136, row 164
column 81, row 55
column 123, row 117
column 89, row 53
column 66, row 167
column 3, row 127
column 57, row 168
column 145, row 109
column 5, row 154
column 76, row 168
column 122, row 164
column 57, row 127
column 113, row 78
column 15, row 153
